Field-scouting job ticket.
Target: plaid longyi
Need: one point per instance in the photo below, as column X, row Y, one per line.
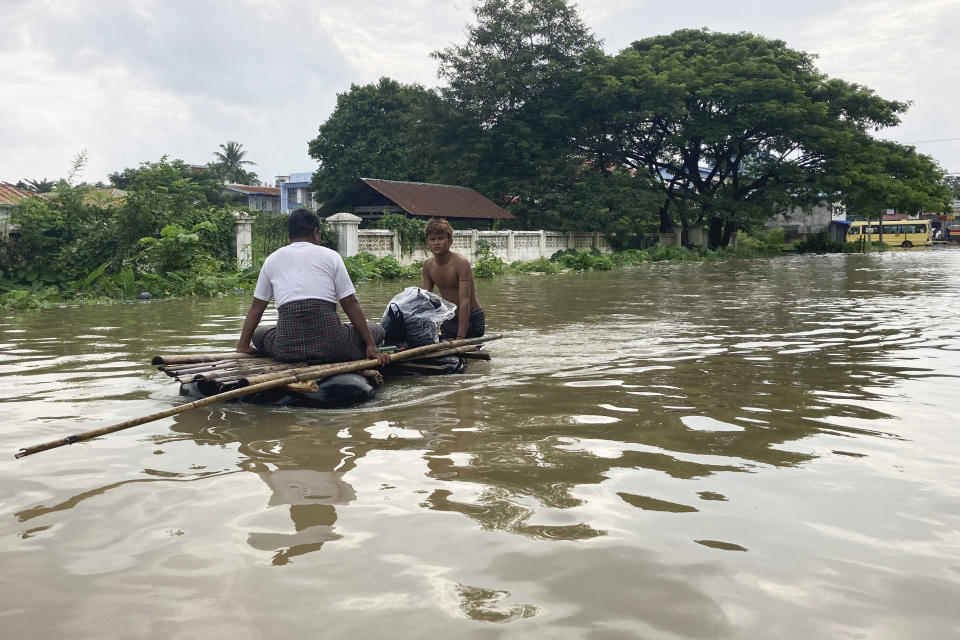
column 311, row 331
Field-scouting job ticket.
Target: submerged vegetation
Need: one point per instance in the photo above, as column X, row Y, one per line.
column 206, row 276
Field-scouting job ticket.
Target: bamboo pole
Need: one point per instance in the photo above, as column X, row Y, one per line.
column 197, row 367
column 186, row 358
column 241, row 372
column 297, row 375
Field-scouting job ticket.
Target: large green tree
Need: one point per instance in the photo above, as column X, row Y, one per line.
column 952, row 182
column 732, row 126
column 875, row 175
column 504, row 82
column 386, row 130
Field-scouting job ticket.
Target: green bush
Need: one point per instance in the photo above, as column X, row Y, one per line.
column 630, row 257
column 20, row 300
column 540, row 265
column 818, row 243
column 366, row 266
column 410, row 230
column 662, row 253
column 489, row 267
column 761, row 240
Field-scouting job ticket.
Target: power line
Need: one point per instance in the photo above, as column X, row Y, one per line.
column 927, row 141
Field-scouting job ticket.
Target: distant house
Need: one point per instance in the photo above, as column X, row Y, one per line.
column 370, row 198
column 104, row 198
column 295, row 192
column 256, row 198
column 9, row 197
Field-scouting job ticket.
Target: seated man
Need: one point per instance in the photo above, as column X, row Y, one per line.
column 306, row 281
column 452, row 274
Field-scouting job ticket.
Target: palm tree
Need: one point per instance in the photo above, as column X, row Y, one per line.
column 231, row 163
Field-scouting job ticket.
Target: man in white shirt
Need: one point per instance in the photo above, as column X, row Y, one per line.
column 306, row 280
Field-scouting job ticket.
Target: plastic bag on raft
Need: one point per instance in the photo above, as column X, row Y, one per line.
column 412, row 316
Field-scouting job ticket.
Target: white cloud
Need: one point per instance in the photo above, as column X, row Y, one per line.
column 131, row 81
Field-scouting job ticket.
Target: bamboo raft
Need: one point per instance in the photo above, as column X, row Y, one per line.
column 239, row 378
column 203, row 375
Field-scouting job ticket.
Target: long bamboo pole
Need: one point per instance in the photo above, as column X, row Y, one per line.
column 184, row 358
column 300, row 375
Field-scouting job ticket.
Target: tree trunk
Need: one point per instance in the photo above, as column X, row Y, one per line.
column 728, row 230
column 666, row 224
column 716, row 232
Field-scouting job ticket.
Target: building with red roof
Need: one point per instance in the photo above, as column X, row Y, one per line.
column 369, row 198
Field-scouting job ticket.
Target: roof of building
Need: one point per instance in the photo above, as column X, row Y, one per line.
column 416, row 198
column 301, row 177
column 105, row 197
column 11, row 195
column 253, row 189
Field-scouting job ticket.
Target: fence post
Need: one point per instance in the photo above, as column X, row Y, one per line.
column 543, row 244
column 510, row 245
column 346, row 227
column 474, row 241
column 244, row 235
column 397, row 249
column 571, row 240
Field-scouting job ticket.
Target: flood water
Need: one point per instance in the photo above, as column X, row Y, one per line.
column 745, row 449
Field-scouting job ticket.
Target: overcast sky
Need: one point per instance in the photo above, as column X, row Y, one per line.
column 132, row 80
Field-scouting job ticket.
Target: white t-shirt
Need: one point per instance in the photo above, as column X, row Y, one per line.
column 303, row 270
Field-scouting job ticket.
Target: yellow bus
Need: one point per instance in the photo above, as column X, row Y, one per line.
column 903, row 233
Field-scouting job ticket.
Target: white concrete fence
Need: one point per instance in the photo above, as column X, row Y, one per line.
column 507, row 245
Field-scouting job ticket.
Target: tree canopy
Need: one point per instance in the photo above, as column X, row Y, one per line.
column 38, row 185
column 876, row 175
column 690, row 128
column 385, row 130
column 504, row 83
column 735, row 125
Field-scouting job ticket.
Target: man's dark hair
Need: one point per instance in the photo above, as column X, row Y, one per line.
column 302, row 222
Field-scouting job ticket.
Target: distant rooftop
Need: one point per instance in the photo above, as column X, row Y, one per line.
column 417, row 199
column 253, row 189
column 11, row 195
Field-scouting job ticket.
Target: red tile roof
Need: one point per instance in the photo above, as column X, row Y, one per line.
column 10, row 195
column 252, row 189
column 420, row 199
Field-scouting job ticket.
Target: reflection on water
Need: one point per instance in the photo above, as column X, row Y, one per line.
column 741, row 449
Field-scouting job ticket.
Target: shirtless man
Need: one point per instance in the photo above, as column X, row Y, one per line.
column 452, row 274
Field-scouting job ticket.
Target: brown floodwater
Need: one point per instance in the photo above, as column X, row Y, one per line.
column 743, row 449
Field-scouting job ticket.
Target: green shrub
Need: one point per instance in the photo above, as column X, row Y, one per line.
column 602, row 263
column 20, row 300
column 661, row 253
column 761, row 240
column 489, row 267
column 540, row 265
column 630, row 257
column 410, row 230
column 366, row 266
column 818, row 243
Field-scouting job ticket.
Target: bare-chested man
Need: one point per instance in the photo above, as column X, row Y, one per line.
column 452, row 274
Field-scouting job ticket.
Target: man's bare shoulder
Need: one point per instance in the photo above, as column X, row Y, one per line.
column 429, row 262
column 459, row 259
